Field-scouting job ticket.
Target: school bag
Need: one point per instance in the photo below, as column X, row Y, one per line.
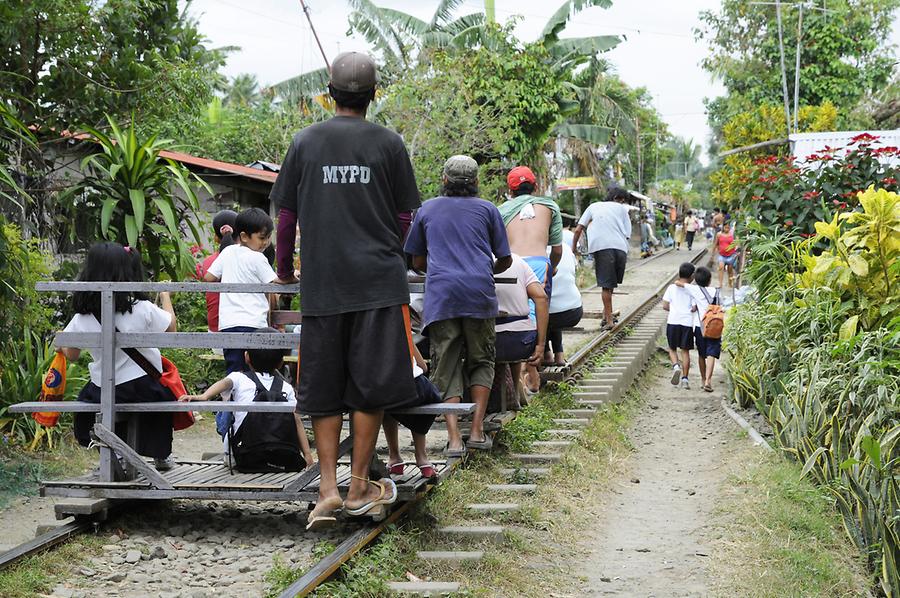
column 266, row 442
column 714, row 319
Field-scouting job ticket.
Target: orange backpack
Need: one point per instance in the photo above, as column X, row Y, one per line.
column 713, row 322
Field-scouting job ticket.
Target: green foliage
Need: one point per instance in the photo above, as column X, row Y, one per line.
column 817, row 354
column 536, row 418
column 22, row 265
column 734, row 178
column 844, row 54
column 136, row 191
column 777, row 193
column 197, row 373
column 69, row 62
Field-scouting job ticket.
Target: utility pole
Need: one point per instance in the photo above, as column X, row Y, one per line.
column 315, row 35
column 797, row 72
column 784, row 88
column 489, row 12
column 640, row 163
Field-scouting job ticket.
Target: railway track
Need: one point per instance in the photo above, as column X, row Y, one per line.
column 358, row 538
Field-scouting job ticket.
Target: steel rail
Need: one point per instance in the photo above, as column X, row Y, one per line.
column 363, row 536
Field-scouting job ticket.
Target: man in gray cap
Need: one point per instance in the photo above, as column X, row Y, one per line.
column 454, row 239
column 349, row 184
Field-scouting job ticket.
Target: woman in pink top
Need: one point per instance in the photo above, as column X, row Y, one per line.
column 727, row 250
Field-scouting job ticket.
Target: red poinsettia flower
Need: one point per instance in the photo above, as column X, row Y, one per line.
column 809, row 195
column 195, row 249
column 789, row 223
column 889, row 181
column 757, row 197
column 863, row 138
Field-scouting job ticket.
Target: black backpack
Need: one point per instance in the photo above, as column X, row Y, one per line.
column 266, row 442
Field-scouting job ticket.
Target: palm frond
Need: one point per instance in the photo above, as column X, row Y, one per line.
column 594, row 134
column 476, row 19
column 443, row 12
column 561, row 17
column 302, row 86
column 585, row 47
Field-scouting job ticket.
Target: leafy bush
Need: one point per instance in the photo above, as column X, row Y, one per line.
column 132, row 191
column 818, row 355
column 22, row 265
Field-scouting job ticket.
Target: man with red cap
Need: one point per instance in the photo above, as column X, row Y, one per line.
column 532, row 224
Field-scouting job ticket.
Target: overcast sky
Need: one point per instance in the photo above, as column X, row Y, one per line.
column 660, row 52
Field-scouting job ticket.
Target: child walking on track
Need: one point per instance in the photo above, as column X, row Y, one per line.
column 709, row 348
column 680, row 325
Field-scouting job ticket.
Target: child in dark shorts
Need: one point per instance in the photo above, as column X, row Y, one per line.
column 417, row 424
column 680, row 325
column 708, row 349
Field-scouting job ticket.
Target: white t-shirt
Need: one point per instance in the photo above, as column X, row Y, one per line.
column 700, row 301
column 680, row 303
column 565, row 294
column 239, row 264
column 144, row 317
column 513, row 298
column 244, row 391
column 608, row 226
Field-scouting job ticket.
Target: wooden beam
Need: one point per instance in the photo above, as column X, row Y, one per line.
column 126, row 452
column 754, row 146
column 196, row 340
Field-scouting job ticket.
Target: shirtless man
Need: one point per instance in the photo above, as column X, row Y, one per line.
column 532, row 224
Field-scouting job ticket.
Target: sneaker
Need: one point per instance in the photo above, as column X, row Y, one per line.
column 164, row 464
column 676, row 374
column 685, row 384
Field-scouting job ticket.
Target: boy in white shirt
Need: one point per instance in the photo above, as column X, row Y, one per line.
column 708, row 349
column 680, row 325
column 244, row 262
column 240, row 387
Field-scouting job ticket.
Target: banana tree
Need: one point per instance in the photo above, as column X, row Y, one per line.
column 137, row 193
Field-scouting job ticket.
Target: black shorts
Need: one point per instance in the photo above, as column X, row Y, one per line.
column 515, row 345
column 427, row 394
column 680, row 337
column 609, row 267
column 357, row 361
column 707, row 347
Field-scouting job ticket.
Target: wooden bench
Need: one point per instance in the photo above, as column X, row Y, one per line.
column 188, row 479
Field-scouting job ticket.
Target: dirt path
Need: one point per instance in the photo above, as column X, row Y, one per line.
column 651, row 534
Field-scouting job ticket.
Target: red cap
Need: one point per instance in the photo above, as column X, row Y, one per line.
column 519, row 175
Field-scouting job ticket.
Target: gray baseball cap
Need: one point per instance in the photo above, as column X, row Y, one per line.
column 353, row 72
column 461, row 169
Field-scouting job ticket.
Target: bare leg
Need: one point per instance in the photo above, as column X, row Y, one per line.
column 421, row 453
column 365, row 433
column 532, row 378
column 480, row 395
column 673, row 357
column 607, row 306
column 701, row 363
column 710, row 366
column 721, row 273
column 559, row 358
column 389, row 424
column 686, row 363
column 453, row 435
column 328, row 434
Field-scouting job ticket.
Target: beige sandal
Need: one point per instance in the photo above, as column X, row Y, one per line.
column 375, row 507
column 322, row 516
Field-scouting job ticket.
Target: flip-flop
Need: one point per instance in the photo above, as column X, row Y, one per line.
column 427, row 470
column 322, row 517
column 397, row 468
column 707, row 388
column 383, row 484
column 481, row 445
column 449, row 452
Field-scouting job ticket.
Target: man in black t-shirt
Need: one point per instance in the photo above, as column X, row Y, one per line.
column 349, row 184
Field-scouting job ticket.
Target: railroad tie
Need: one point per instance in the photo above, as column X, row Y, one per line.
column 578, row 422
column 562, row 432
column 423, row 588
column 473, row 532
column 551, row 443
column 450, row 555
column 536, row 472
column 577, row 413
column 537, row 457
column 523, row 488
column 498, row 507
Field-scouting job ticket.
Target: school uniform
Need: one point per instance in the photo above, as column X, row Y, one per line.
column 133, row 385
column 680, row 321
column 241, row 312
column 706, row 347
